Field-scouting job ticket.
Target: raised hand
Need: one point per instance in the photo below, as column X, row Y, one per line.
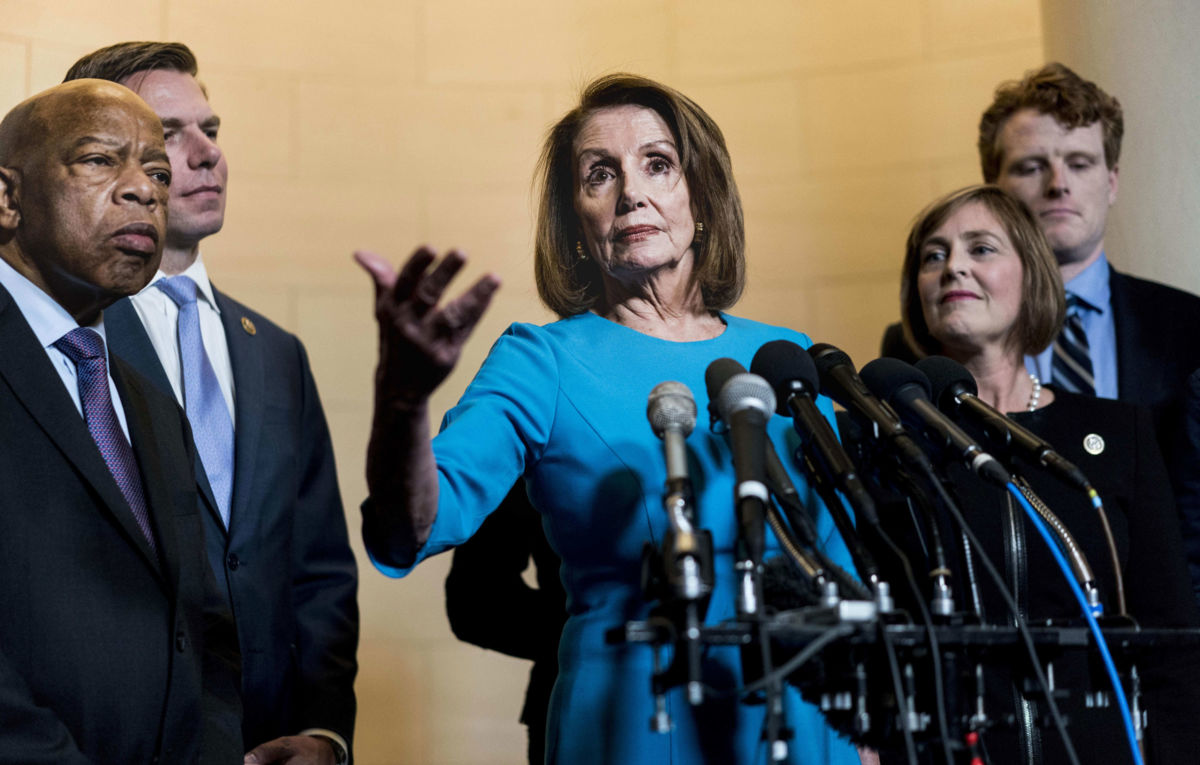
column 420, row 341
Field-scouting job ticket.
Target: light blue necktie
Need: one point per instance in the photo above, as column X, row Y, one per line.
column 212, row 427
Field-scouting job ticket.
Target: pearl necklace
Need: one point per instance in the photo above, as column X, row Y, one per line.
column 1036, row 393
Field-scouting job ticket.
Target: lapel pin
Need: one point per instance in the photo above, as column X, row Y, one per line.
column 248, row 326
column 1093, row 444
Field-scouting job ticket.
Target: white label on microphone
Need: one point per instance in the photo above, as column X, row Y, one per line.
column 753, row 489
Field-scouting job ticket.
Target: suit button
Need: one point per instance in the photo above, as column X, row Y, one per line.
column 180, row 641
column 233, row 561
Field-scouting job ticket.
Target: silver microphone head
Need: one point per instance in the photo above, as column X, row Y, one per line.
column 671, row 406
column 743, row 391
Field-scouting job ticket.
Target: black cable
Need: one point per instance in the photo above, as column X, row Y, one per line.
column 912, row 491
column 898, row 688
column 864, row 563
column 1022, row 627
column 802, row 656
column 848, row 587
column 935, row 651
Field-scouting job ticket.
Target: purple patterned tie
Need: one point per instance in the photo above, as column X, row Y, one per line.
column 85, row 347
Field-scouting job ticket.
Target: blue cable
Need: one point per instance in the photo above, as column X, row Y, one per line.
column 1109, row 666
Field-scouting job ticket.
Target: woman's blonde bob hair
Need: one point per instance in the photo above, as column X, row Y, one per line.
column 1043, row 304
column 571, row 285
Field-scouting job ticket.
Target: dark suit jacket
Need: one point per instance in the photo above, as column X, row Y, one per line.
column 489, row 604
column 285, row 561
column 109, row 653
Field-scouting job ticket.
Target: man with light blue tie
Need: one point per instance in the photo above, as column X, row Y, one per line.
column 275, row 530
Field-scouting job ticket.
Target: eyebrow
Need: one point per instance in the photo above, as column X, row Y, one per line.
column 982, row 233
column 602, row 153
column 174, row 123
column 86, row 139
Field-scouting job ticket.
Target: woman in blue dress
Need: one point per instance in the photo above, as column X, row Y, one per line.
column 639, row 251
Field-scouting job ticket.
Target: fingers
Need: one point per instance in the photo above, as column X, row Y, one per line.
column 411, row 273
column 381, row 271
column 271, row 751
column 429, row 289
column 421, row 288
column 461, row 315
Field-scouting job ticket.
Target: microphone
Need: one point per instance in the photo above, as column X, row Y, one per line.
column 791, row 373
column 954, row 391
column 841, row 382
column 687, row 553
column 744, row 402
column 672, row 414
column 907, row 389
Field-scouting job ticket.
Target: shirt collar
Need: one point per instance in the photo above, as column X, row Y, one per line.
column 48, row 320
column 197, row 273
column 1091, row 285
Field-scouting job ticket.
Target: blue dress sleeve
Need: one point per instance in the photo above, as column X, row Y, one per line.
column 498, row 427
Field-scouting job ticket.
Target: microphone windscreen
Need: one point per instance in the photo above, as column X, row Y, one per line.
column 782, row 364
column 718, row 373
column 886, row 376
column 745, row 391
column 671, row 405
column 947, row 378
column 826, row 358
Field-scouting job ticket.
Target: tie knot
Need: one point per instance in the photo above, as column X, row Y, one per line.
column 180, row 289
column 1076, row 304
column 81, row 343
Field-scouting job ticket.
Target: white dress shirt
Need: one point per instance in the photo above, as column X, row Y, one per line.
column 160, row 317
column 49, row 322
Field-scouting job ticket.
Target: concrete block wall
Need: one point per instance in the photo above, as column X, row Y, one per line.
column 383, row 124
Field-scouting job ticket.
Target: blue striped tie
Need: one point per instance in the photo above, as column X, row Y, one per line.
column 1071, row 368
column 85, row 347
column 212, row 427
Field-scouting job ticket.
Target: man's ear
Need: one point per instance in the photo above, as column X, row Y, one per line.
column 10, row 206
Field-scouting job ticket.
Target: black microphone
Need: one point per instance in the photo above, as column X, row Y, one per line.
column 907, row 389
column 744, row 402
column 791, row 373
column 841, row 382
column 954, row 390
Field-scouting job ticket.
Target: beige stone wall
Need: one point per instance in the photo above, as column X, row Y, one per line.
column 1144, row 54
column 386, row 123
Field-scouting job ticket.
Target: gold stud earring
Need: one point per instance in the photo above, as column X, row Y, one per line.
column 580, row 255
column 699, row 237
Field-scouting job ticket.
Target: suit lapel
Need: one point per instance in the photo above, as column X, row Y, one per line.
column 249, row 385
column 1129, row 372
column 128, row 339
column 38, row 387
column 149, row 452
